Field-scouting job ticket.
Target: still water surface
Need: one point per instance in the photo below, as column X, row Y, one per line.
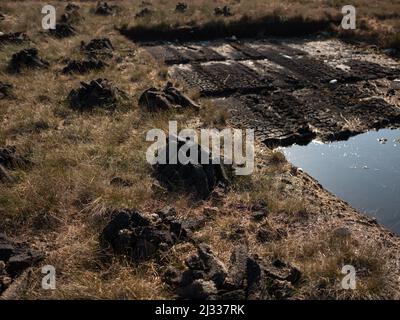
column 364, row 171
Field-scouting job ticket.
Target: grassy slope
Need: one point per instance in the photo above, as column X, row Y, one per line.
column 59, row 204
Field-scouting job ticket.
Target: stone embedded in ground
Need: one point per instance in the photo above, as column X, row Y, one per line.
column 84, row 66
column 215, row 269
column 14, row 259
column 138, row 236
column 10, row 159
column 258, row 216
column 63, row 30
column 181, row 7
column 14, row 38
column 172, row 276
column 4, row 176
column 268, row 234
column 225, row 11
column 103, row 8
column 248, row 277
column 5, row 90
column 99, row 47
column 118, row 181
column 97, row 93
column 145, row 12
column 198, row 290
column 26, row 59
column 198, row 178
column 71, row 14
column 155, row 100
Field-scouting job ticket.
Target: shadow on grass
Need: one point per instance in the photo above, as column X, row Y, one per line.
column 243, row 28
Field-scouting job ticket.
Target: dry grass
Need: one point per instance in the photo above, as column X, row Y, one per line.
column 59, row 203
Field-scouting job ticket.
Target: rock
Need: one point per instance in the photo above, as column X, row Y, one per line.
column 137, row 236
column 99, row 47
column 248, row 277
column 167, row 214
column 118, row 181
column 14, row 38
column 11, row 160
column 123, row 219
column 234, row 295
column 215, row 269
column 5, row 90
column 84, row 66
column 99, row 92
column 16, row 257
column 149, row 242
column 145, row 12
column 198, row 178
column 104, row 9
column 26, row 59
column 172, row 276
column 194, row 262
column 189, row 276
column 236, row 278
column 4, row 176
column 18, row 263
column 155, row 100
column 71, row 14
column 283, row 271
column 181, row 7
column 6, row 251
column 71, row 7
column 258, row 216
column 2, row 267
column 63, row 30
column 267, row 234
column 225, row 11
column 198, row 290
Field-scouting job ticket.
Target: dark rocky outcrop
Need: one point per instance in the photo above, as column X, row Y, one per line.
column 4, row 176
column 14, row 38
column 26, row 59
column 154, row 99
column 225, row 11
column 63, row 30
column 99, row 47
column 181, row 7
column 84, row 66
column 100, row 92
column 10, row 159
column 71, row 14
column 118, row 181
column 5, row 90
column 14, row 259
column 199, row 178
column 104, row 9
column 247, row 277
column 145, row 12
column 140, row 236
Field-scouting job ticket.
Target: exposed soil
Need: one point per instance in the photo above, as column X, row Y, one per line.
column 286, row 93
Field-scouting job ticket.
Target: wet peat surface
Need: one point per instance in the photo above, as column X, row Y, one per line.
column 364, row 171
column 290, row 91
